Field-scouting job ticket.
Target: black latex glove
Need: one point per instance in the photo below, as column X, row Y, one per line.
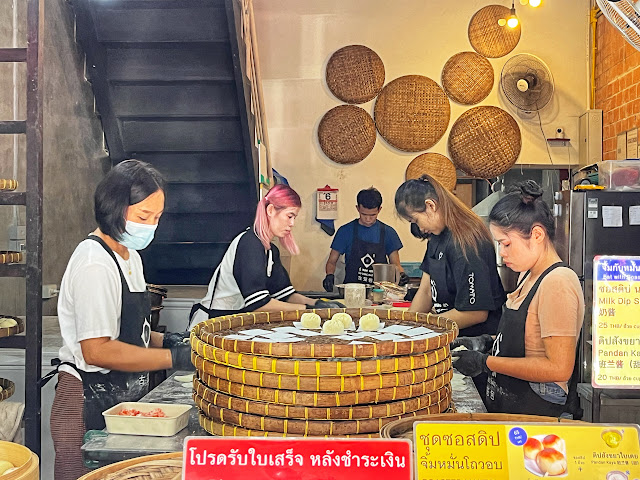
column 470, row 362
column 181, row 357
column 173, row 339
column 482, row 343
column 328, row 282
column 325, row 304
column 404, row 279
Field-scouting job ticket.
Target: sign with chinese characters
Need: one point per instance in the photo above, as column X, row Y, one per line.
column 527, row 451
column 616, row 322
column 260, row 458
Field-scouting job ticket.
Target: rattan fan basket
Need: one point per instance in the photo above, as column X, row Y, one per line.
column 8, row 388
column 213, row 332
column 355, row 74
column 485, row 142
column 324, row 399
column 467, row 78
column 9, row 331
column 166, row 466
column 347, row 134
column 433, row 164
column 487, row 37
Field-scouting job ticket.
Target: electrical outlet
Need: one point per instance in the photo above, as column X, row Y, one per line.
column 49, row 291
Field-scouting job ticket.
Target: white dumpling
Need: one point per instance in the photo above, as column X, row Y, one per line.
column 344, row 318
column 369, row 322
column 310, row 320
column 333, row 327
column 7, row 322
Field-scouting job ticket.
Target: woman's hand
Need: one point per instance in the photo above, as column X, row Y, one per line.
column 470, row 362
column 482, row 343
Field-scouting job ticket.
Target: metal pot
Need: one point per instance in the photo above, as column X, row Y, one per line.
column 367, row 287
column 385, row 272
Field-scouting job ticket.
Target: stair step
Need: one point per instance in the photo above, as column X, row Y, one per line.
column 175, row 99
column 202, row 227
column 187, row 24
column 208, row 198
column 181, row 135
column 199, row 166
column 175, row 62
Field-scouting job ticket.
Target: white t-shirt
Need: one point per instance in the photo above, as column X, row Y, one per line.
column 90, row 299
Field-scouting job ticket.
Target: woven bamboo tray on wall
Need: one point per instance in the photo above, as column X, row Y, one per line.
column 467, row 78
column 355, row 74
column 435, row 165
column 347, row 134
column 321, row 386
column 487, row 37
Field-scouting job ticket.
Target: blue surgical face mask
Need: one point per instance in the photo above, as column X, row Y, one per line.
column 137, row 236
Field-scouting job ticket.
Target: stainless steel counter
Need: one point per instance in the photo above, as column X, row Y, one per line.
column 102, row 448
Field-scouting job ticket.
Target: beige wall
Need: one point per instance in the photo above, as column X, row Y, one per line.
column 296, row 38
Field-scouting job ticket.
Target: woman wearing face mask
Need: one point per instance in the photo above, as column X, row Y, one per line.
column 104, row 314
column 251, row 276
column 460, row 277
column 533, row 357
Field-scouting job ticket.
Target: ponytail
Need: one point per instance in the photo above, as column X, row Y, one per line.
column 467, row 229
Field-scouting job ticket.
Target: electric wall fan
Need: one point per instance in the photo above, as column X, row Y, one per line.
column 625, row 16
column 527, row 82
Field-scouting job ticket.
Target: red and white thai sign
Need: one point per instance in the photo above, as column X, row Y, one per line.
column 235, row 458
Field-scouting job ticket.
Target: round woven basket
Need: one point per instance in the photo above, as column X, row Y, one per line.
column 347, row 134
column 487, row 37
column 213, row 333
column 485, row 142
column 412, row 113
column 324, row 400
column 8, row 331
column 355, row 74
column 6, row 184
column 467, row 78
column 8, row 388
column 166, row 466
column 436, row 165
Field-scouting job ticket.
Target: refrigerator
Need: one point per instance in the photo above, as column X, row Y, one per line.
column 587, row 226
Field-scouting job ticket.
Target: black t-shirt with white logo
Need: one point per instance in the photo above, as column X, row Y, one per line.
column 464, row 284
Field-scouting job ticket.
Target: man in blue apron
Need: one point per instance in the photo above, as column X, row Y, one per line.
column 364, row 241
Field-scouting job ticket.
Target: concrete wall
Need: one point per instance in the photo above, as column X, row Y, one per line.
column 617, row 78
column 295, row 40
column 74, row 158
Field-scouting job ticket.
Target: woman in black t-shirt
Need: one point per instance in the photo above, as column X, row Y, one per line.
column 460, row 277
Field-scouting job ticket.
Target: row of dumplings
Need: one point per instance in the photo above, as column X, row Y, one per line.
column 339, row 322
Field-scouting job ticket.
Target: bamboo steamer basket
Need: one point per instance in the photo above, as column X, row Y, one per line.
column 321, row 383
column 266, row 409
column 8, row 389
column 403, row 428
column 321, row 399
column 21, row 457
column 8, row 331
column 316, row 368
column 314, row 428
column 212, row 333
column 166, row 466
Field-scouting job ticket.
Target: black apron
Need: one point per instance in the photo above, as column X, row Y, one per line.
column 506, row 394
column 105, row 390
column 359, row 267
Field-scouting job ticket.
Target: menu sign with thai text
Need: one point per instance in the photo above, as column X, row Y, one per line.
column 260, row 458
column 527, row 451
column 616, row 322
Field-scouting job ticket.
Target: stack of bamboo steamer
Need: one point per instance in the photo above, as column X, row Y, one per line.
column 321, row 386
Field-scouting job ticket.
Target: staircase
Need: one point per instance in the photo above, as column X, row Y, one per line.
column 171, row 89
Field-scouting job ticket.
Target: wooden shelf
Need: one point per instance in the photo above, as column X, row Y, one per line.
column 13, row 270
column 13, row 198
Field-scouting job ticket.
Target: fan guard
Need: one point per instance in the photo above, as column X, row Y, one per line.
column 625, row 16
column 527, row 82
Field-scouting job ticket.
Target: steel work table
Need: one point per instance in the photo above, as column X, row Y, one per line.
column 102, row 448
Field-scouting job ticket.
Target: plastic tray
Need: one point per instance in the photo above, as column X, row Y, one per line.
column 177, row 418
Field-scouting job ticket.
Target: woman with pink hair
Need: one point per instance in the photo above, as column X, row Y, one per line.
column 251, row 276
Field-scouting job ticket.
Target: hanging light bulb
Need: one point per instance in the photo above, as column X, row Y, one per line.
column 535, row 3
column 512, row 20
